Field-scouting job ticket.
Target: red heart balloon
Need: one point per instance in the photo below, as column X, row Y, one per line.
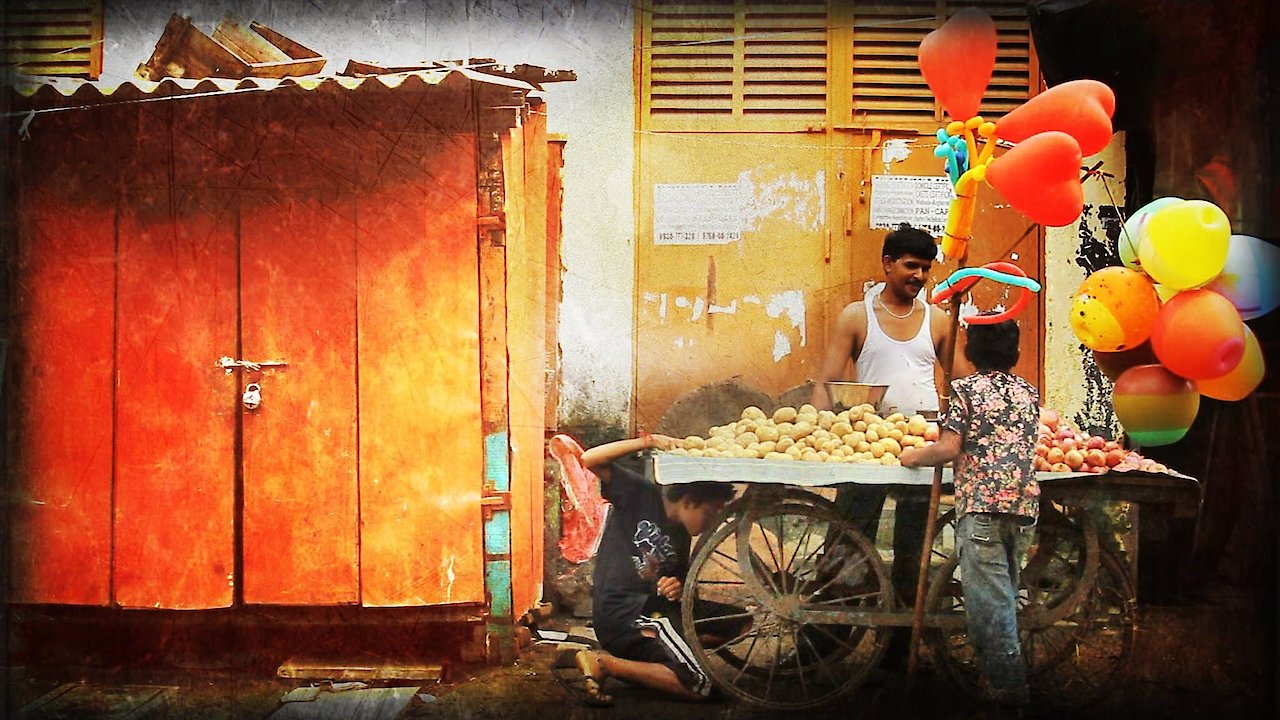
column 1041, row 178
column 956, row 61
column 1080, row 108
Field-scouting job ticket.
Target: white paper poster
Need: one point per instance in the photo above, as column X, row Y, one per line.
column 697, row 213
column 922, row 201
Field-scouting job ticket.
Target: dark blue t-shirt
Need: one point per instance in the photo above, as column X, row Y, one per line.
column 638, row 546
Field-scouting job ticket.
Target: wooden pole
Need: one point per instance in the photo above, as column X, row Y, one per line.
column 935, row 490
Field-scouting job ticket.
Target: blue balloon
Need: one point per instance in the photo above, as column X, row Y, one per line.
column 1251, row 278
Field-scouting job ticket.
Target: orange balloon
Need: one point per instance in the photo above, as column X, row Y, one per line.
column 1113, row 309
column 1244, row 379
column 1080, row 108
column 1198, row 334
column 957, row 59
column 1041, row 178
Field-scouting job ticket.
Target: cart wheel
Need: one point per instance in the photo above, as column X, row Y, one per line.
column 1087, row 652
column 1061, row 579
column 788, row 554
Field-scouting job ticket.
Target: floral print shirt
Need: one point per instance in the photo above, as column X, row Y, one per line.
column 996, row 415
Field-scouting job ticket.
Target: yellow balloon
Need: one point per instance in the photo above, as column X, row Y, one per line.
column 1184, row 245
column 1241, row 381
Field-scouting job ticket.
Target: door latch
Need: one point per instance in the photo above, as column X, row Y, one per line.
column 228, row 364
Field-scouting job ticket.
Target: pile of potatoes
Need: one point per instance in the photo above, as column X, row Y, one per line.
column 812, row 435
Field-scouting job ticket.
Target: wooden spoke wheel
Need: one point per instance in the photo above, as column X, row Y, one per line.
column 1076, row 616
column 749, row 578
column 1080, row 657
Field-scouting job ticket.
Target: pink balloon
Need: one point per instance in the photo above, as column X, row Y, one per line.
column 957, row 59
column 1041, row 178
column 1080, row 108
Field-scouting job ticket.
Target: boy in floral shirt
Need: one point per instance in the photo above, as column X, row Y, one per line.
column 990, row 431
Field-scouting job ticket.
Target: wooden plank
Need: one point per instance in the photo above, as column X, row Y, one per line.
column 722, row 62
column 297, row 274
column 251, row 47
column 526, row 348
column 51, row 6
column 19, row 16
column 690, row 89
column 805, row 89
column 786, row 74
column 723, row 23
column 175, row 410
column 690, row 50
column 58, row 68
column 690, row 102
column 897, row 102
column 755, row 61
column 44, row 41
column 60, row 366
column 554, row 294
column 421, row 451
column 706, row 38
column 23, row 57
column 703, row 78
column 781, row 50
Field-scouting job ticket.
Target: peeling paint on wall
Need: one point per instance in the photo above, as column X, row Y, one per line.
column 698, row 306
column 781, row 346
column 895, row 150
column 788, row 197
column 1099, row 232
column 1073, row 384
column 448, row 576
column 790, row 302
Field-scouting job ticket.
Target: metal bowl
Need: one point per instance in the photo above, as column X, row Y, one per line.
column 846, row 395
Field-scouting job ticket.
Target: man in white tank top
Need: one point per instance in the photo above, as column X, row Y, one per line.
column 894, row 338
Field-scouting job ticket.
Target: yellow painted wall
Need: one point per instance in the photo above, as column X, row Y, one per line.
column 760, row 308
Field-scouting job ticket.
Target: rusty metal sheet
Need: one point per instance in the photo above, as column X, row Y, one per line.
column 297, row 276
column 175, row 412
column 420, row 434
column 61, row 365
column 526, row 172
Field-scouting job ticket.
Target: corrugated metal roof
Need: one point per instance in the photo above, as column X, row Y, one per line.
column 32, row 93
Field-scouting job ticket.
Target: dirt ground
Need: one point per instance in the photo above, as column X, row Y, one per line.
column 1208, row 660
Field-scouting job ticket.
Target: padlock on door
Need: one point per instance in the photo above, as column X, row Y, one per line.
column 252, row 397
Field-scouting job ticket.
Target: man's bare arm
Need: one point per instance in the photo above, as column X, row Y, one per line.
column 941, row 331
column 846, row 337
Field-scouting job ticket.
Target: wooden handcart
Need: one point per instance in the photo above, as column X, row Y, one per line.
column 811, row 606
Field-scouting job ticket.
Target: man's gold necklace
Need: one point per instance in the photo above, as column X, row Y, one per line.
column 894, row 314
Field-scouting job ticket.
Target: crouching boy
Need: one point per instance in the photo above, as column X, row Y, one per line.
column 639, row 574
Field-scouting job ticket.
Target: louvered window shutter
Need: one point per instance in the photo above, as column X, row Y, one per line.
column 733, row 65
column 52, row 37
column 888, row 89
column 740, row 65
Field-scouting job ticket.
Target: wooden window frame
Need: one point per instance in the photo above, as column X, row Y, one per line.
column 52, row 37
column 1016, row 68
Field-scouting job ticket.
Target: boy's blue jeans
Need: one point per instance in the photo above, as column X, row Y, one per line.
column 990, row 545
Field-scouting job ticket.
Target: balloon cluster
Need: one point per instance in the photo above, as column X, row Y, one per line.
column 1054, row 130
column 1167, row 326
